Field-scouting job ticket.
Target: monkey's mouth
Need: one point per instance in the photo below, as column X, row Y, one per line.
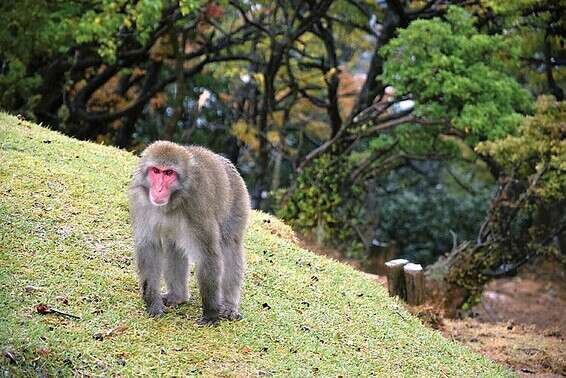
column 159, row 201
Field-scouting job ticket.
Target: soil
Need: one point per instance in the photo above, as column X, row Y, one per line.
column 520, row 321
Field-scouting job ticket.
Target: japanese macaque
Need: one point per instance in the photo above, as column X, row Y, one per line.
column 187, row 205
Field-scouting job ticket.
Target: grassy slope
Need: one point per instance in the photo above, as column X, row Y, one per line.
column 64, row 229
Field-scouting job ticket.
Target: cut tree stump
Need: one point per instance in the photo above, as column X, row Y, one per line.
column 395, row 279
column 414, row 283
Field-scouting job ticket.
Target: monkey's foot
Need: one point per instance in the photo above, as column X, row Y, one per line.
column 156, row 310
column 172, row 300
column 208, row 321
column 231, row 314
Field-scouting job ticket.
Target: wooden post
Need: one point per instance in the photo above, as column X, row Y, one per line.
column 414, row 283
column 395, row 280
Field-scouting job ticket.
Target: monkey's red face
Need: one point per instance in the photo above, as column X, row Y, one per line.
column 161, row 180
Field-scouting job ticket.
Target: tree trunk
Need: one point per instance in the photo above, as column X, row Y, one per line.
column 414, row 283
column 395, row 278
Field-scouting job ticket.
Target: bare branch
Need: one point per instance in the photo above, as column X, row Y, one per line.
column 236, row 4
column 383, row 126
column 365, row 164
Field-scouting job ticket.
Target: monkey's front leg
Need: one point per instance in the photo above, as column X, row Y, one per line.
column 149, row 272
column 176, row 267
column 209, row 273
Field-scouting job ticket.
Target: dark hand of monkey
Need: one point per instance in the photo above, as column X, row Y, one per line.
column 188, row 205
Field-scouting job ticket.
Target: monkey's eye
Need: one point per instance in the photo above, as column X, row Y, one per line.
column 169, row 172
column 155, row 170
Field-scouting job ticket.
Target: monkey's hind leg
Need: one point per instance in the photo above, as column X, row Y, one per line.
column 233, row 254
column 209, row 271
column 175, row 275
column 148, row 258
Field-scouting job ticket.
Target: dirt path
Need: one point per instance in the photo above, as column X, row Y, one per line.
column 520, row 322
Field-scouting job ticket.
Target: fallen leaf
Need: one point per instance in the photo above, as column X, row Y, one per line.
column 42, row 308
column 43, row 352
column 117, row 330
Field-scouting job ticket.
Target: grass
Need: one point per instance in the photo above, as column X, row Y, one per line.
column 64, row 235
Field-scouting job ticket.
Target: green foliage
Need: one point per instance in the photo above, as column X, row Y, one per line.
column 187, row 6
column 462, row 84
column 42, row 30
column 32, row 29
column 33, row 26
column 103, row 22
column 421, row 205
column 425, row 141
column 17, row 85
column 458, row 76
column 539, row 146
column 538, row 26
column 318, row 206
column 527, row 214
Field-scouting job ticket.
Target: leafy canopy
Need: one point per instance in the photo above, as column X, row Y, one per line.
column 539, row 147
column 458, row 76
column 42, row 30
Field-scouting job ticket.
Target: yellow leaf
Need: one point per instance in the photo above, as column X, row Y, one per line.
column 330, row 73
column 258, row 76
column 239, row 128
column 273, row 137
column 246, row 134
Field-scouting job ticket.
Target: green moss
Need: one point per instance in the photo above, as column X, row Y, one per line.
column 318, row 206
column 64, row 230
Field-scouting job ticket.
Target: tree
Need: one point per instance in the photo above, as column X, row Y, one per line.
column 540, row 28
column 526, row 217
column 453, row 85
column 102, row 69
